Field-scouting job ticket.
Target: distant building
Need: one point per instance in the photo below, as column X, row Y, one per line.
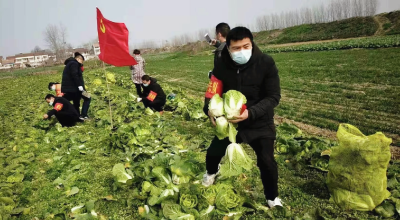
column 96, row 49
column 33, row 59
column 7, row 64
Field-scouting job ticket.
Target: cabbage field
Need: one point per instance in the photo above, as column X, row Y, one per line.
column 149, row 166
column 358, row 43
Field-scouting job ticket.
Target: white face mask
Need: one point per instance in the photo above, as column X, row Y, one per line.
column 50, row 103
column 241, row 57
column 53, row 88
column 145, row 85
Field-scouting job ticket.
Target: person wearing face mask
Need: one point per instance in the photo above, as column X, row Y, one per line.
column 73, row 85
column 243, row 67
column 64, row 111
column 55, row 86
column 153, row 95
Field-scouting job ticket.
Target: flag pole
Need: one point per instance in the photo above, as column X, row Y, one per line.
column 109, row 103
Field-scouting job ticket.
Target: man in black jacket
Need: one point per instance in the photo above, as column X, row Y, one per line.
column 63, row 110
column 72, row 84
column 153, row 95
column 243, row 67
column 221, row 31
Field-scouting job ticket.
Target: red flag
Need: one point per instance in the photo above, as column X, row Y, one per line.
column 113, row 40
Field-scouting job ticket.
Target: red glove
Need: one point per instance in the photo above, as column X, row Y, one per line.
column 244, row 107
column 82, row 68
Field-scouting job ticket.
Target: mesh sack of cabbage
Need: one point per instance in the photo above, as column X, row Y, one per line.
column 357, row 169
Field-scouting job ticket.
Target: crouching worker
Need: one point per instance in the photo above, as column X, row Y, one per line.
column 55, row 86
column 153, row 95
column 64, row 111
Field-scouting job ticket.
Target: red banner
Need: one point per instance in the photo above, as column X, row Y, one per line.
column 214, row 87
column 152, row 95
column 113, row 40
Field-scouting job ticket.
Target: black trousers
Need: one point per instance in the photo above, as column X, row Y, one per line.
column 75, row 97
column 156, row 104
column 139, row 89
column 76, row 100
column 67, row 119
column 264, row 149
column 85, row 106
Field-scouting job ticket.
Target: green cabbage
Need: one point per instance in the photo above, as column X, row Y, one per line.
column 216, row 106
column 222, row 130
column 232, row 132
column 227, row 199
column 188, row 201
column 386, row 210
column 209, row 194
column 233, row 102
column 148, row 111
column 146, row 187
column 97, row 82
column 120, row 173
column 207, row 214
column 161, row 174
column 110, row 77
column 164, row 195
column 180, row 179
column 173, row 211
column 235, row 161
column 145, row 213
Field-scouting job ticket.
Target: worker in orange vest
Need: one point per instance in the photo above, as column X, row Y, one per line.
column 55, row 86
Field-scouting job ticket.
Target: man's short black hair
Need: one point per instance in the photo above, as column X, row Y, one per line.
column 223, row 29
column 136, row 51
column 51, row 84
column 76, row 54
column 146, row 77
column 49, row 96
column 238, row 33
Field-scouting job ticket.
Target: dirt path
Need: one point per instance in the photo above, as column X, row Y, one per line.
column 380, row 20
column 325, row 133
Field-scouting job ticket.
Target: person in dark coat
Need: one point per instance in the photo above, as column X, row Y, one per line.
column 64, row 111
column 221, row 31
column 73, row 85
column 153, row 95
column 244, row 68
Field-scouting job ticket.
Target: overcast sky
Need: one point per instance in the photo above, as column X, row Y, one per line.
column 22, row 22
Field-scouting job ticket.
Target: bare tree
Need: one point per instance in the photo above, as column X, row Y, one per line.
column 176, row 41
column 36, row 49
column 261, row 23
column 56, row 36
column 201, row 33
column 370, row 7
column 346, row 7
column 306, row 16
column 89, row 44
column 149, row 44
column 357, row 7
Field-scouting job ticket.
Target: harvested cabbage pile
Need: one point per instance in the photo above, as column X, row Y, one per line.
column 230, row 106
column 357, row 169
